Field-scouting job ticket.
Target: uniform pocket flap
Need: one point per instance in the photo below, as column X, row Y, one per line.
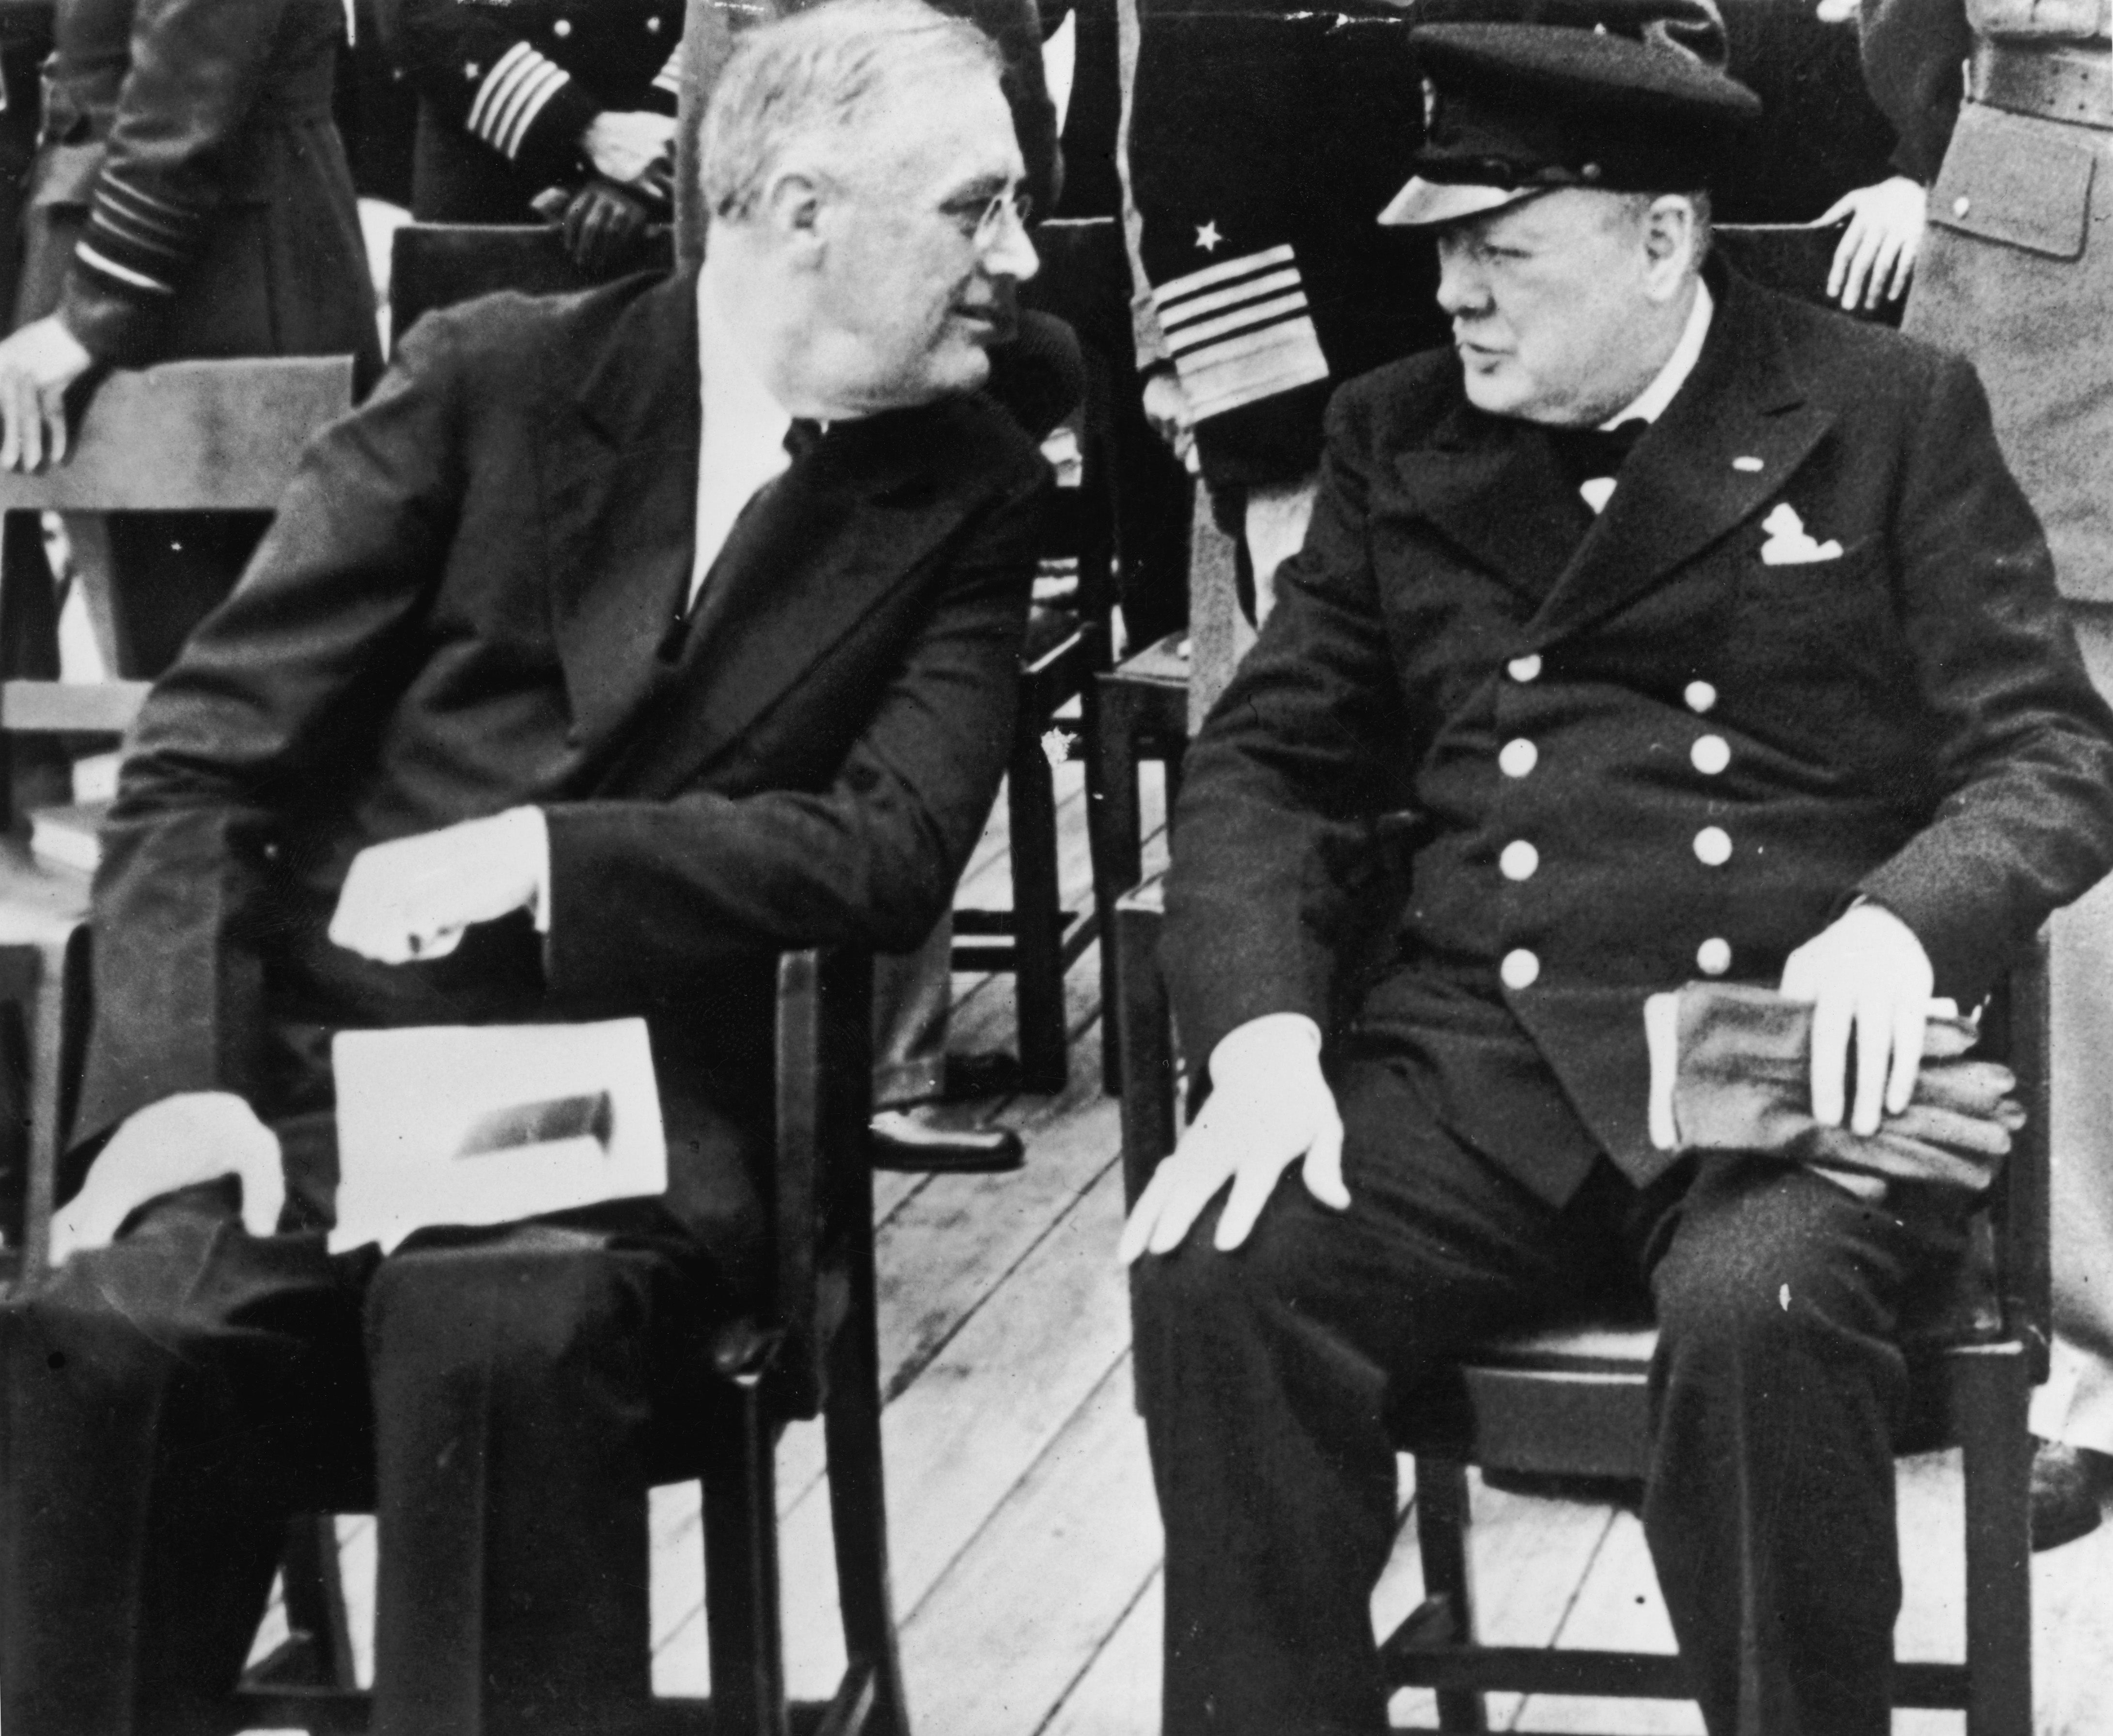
column 65, row 174
column 2006, row 180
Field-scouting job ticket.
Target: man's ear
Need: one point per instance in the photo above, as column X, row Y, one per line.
column 791, row 209
column 1673, row 233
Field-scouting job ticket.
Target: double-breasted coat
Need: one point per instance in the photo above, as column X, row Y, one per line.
column 1496, row 770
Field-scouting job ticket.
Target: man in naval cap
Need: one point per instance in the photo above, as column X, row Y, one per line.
column 1663, row 632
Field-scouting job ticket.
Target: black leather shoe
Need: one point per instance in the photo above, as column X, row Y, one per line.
column 2066, row 1482
column 903, row 1140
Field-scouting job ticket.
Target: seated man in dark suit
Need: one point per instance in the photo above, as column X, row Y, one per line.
column 1782, row 697
column 560, row 689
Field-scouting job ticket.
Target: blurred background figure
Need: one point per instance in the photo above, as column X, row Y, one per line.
column 1264, row 138
column 561, row 109
column 1823, row 151
column 2005, row 107
column 190, row 198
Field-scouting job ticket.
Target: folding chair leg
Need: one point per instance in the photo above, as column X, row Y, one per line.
column 741, row 1568
column 1038, row 919
column 1991, row 1391
column 1146, row 1028
column 1441, row 1539
column 859, row 1508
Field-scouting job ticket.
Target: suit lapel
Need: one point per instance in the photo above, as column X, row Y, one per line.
column 621, row 501
column 1492, row 487
column 1722, row 449
column 813, row 560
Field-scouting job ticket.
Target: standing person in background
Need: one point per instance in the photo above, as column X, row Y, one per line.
column 1821, row 151
column 190, row 198
column 2018, row 275
column 549, row 106
column 1264, row 138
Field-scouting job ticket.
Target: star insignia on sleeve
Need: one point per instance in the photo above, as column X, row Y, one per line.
column 1207, row 236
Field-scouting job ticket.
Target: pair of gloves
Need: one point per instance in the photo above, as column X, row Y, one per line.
column 604, row 221
column 1731, row 1071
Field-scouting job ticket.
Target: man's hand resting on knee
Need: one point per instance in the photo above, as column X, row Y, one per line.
column 1269, row 1107
column 1864, row 973
column 179, row 1142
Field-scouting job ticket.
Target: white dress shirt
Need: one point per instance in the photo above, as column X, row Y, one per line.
column 743, row 448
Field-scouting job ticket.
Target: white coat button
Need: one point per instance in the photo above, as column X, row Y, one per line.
column 1961, row 206
column 1517, row 757
column 1713, row 956
column 1711, row 754
column 1524, row 668
column 653, row 27
column 1519, row 860
column 562, row 27
column 1700, row 697
column 1519, row 968
column 1713, row 846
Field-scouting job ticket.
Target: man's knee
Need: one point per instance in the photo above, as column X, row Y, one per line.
column 531, row 1304
column 1777, row 1261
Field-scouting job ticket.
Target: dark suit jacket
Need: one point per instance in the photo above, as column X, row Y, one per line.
column 1908, row 721
column 466, row 603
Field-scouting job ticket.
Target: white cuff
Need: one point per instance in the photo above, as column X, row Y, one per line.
column 1260, row 1041
column 535, row 848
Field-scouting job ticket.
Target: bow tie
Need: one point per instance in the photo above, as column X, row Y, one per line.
column 1583, row 454
column 803, row 437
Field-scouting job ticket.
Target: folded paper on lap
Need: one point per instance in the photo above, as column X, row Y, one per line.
column 452, row 1124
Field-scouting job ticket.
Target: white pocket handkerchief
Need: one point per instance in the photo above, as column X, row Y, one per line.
column 1788, row 543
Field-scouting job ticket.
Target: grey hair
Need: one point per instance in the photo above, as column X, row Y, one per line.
column 824, row 71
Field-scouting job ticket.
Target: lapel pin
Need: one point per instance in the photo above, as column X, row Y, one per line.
column 1745, row 463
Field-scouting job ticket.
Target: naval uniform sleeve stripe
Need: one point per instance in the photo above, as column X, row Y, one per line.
column 1258, row 365
column 670, row 77
column 132, row 236
column 1184, row 340
column 97, row 262
column 528, row 102
column 149, row 208
column 487, row 96
column 1223, row 272
column 1260, row 289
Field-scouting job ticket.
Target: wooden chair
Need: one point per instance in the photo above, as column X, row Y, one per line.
column 1569, row 1402
column 1036, row 939
column 809, row 1352
column 185, row 437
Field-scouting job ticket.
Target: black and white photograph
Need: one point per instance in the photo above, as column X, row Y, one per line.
column 1056, row 867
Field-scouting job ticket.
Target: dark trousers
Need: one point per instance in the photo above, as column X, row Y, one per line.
column 1268, row 1376
column 505, row 1397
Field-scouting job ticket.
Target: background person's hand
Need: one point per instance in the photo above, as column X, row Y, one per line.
column 1866, row 975
column 194, row 1137
column 602, row 224
column 625, row 144
column 1877, row 252
column 1166, row 410
column 37, row 365
column 412, row 897
column 1269, row 1107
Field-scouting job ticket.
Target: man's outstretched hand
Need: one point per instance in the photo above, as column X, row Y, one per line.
column 1269, row 1107
column 192, row 1137
column 1865, row 974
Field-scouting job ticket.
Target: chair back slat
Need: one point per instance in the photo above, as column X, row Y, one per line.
column 190, row 436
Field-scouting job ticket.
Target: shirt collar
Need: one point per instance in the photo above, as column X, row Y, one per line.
column 1650, row 404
